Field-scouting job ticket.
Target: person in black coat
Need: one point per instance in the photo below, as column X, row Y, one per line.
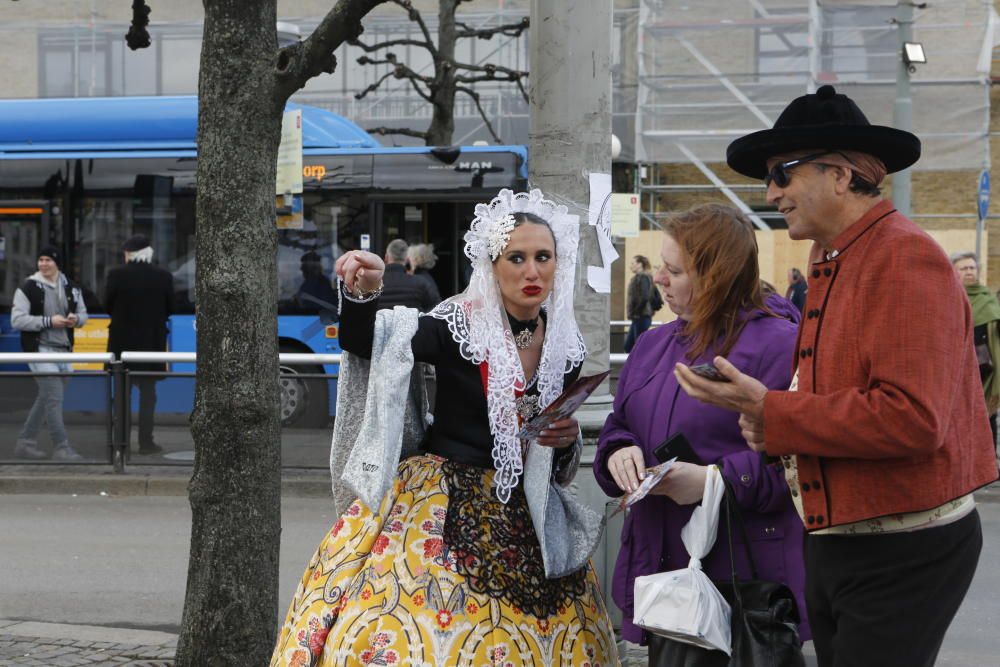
column 140, row 297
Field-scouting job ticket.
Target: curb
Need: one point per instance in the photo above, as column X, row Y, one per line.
column 171, row 482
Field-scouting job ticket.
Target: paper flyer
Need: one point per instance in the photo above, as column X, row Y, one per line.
column 599, row 277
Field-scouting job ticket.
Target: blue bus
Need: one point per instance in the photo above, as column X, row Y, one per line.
column 84, row 174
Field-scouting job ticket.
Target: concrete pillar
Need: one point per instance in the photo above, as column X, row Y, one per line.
column 570, row 137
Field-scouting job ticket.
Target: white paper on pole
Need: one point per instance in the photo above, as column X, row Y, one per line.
column 599, row 277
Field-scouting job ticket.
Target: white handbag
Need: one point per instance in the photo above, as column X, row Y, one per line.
column 684, row 605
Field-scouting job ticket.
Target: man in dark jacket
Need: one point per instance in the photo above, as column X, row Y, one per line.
column 140, row 298
column 399, row 287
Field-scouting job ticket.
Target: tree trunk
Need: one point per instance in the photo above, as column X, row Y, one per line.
column 442, row 126
column 231, row 601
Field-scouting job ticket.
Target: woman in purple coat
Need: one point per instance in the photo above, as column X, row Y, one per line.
column 711, row 281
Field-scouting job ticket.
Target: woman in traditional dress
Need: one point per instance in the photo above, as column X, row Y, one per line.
column 459, row 564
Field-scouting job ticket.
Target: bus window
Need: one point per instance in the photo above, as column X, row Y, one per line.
column 331, row 223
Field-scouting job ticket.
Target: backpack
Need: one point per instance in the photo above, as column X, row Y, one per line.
column 655, row 298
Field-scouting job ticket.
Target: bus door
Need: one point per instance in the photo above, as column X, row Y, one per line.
column 24, row 224
column 438, row 221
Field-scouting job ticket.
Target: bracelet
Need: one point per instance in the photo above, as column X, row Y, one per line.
column 363, row 297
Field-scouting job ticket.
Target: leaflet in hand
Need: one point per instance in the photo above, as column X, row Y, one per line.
column 652, row 478
column 564, row 405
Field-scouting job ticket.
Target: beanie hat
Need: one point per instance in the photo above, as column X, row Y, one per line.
column 52, row 253
column 136, row 242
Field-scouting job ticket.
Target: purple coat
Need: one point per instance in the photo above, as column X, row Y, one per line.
column 649, row 405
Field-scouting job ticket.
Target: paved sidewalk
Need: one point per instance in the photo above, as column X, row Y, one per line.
column 32, row 644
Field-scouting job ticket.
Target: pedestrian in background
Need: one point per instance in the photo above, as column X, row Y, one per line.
column 640, row 300
column 711, row 282
column 986, row 337
column 47, row 307
column 140, row 298
column 884, row 434
column 422, row 259
column 797, row 288
column 402, row 289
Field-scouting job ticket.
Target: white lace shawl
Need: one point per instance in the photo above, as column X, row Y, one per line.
column 478, row 324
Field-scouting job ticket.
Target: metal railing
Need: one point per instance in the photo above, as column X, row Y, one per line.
column 116, row 402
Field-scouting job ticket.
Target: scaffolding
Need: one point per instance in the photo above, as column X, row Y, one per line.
column 714, row 70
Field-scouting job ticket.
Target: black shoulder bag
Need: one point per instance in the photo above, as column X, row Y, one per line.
column 765, row 618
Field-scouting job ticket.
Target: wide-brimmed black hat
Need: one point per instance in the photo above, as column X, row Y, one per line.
column 824, row 120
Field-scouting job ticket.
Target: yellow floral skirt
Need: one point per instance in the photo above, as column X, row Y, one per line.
column 384, row 589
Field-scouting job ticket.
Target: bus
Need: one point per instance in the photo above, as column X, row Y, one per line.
column 84, row 174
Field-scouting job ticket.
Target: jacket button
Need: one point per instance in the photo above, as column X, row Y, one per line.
column 809, row 352
column 795, row 493
column 819, row 518
column 811, row 520
column 815, row 485
column 802, row 353
column 827, row 272
column 805, row 487
column 788, row 464
column 745, row 478
column 816, row 273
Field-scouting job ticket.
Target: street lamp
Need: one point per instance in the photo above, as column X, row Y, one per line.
column 616, row 147
column 913, row 54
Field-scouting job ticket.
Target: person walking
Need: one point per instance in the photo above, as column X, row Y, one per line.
column 47, row 307
column 640, row 300
column 139, row 297
column 797, row 288
column 986, row 336
column 474, row 555
column 711, row 282
column 401, row 288
column 884, row 434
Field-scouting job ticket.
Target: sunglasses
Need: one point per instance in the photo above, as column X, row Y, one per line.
column 779, row 172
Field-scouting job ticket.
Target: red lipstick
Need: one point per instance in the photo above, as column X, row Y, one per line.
column 532, row 290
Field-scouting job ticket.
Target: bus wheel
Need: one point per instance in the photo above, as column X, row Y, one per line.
column 304, row 402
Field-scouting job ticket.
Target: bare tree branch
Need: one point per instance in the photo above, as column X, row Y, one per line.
column 508, row 29
column 383, row 45
column 493, row 73
column 415, row 16
column 475, row 98
column 398, row 130
column 298, row 63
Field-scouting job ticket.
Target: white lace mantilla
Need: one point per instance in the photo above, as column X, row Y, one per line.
column 478, row 324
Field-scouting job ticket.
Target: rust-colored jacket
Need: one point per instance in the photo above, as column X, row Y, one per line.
column 889, row 414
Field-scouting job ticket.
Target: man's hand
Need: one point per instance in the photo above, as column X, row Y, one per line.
column 60, row 322
column 741, row 394
column 753, row 432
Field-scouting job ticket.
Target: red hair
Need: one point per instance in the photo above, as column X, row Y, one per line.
column 720, row 253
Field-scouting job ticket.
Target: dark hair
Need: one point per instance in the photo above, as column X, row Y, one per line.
column 523, row 217
column 720, row 251
column 642, row 259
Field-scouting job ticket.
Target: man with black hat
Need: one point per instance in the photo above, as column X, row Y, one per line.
column 883, row 434
column 140, row 298
column 46, row 309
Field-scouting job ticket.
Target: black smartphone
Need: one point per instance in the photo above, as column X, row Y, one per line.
column 676, row 446
column 709, row 372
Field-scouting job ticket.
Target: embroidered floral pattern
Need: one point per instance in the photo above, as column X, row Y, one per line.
column 411, row 604
column 495, row 547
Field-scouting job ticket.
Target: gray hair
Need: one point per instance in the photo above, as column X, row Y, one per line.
column 957, row 257
column 396, row 250
column 422, row 256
